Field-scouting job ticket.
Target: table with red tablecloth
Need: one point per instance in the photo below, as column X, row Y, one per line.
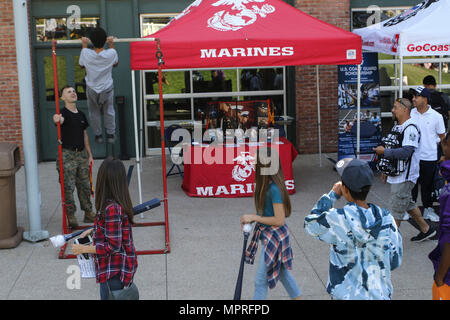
column 225, row 171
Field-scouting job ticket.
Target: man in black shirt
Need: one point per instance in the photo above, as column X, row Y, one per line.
column 77, row 156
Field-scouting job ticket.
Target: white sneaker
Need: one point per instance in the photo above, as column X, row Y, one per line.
column 428, row 213
column 406, row 216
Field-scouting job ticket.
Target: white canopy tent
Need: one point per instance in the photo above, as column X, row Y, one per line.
column 423, row 30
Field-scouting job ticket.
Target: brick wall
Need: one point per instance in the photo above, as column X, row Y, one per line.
column 335, row 12
column 10, row 124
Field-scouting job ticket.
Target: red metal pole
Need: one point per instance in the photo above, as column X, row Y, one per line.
column 163, row 145
column 90, row 179
column 58, row 125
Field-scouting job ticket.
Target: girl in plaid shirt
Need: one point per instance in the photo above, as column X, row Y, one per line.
column 272, row 206
column 113, row 249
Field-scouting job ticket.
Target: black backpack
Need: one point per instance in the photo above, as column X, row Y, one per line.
column 438, row 103
column 395, row 167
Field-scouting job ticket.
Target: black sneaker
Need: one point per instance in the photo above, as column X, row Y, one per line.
column 424, row 236
column 435, row 237
column 110, row 138
column 99, row 139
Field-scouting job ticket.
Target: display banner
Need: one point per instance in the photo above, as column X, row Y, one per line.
column 370, row 114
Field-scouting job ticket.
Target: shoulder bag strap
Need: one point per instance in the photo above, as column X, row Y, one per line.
column 410, row 157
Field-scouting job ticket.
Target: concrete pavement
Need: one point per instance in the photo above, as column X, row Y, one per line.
column 205, row 239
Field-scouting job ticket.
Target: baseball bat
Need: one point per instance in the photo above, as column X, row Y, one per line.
column 238, row 290
column 61, row 239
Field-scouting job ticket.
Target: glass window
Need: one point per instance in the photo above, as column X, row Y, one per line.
column 61, row 66
column 51, row 28
column 174, row 109
column 56, row 28
column 253, row 79
column 84, row 27
column 362, row 18
column 204, row 107
column 214, row 80
column 150, row 23
column 172, row 82
column 80, row 82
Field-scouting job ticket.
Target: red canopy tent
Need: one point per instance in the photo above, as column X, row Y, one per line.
column 242, row 33
column 238, row 33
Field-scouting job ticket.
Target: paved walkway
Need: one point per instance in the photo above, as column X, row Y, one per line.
column 206, row 243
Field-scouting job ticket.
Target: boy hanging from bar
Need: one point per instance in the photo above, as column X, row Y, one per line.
column 77, row 156
column 98, row 63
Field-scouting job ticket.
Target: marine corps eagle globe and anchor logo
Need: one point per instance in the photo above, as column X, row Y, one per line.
column 236, row 17
column 244, row 168
column 227, row 20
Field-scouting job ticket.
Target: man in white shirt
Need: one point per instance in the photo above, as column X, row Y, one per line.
column 407, row 162
column 432, row 128
column 99, row 83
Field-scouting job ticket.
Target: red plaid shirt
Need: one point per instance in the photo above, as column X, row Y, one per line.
column 113, row 240
column 277, row 252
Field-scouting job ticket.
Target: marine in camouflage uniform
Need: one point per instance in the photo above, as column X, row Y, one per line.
column 76, row 174
column 77, row 155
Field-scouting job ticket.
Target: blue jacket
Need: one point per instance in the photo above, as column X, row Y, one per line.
column 366, row 247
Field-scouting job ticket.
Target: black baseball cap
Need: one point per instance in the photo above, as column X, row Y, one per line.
column 355, row 174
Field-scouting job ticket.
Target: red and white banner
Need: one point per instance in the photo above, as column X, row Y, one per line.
column 236, row 33
column 422, row 30
column 235, row 175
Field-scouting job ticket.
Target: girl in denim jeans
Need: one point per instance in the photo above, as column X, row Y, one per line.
column 273, row 206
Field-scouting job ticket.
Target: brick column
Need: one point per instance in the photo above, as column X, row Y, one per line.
column 335, row 12
column 10, row 123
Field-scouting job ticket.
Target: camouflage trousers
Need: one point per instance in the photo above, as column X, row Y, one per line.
column 76, row 174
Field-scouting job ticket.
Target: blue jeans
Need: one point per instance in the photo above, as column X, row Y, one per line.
column 114, row 284
column 261, row 284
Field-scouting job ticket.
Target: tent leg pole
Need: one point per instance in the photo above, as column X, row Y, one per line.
column 358, row 110
column 163, row 155
column 318, row 116
column 136, row 140
column 141, row 96
column 400, row 93
column 396, row 77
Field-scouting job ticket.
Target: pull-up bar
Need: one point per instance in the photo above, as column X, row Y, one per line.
column 78, row 41
column 160, row 63
column 125, row 40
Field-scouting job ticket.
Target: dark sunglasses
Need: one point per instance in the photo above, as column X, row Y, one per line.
column 399, row 100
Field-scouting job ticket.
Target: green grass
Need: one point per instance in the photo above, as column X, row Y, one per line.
column 414, row 73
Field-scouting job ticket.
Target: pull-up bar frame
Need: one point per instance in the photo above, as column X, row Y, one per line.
column 78, row 41
column 66, row 228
